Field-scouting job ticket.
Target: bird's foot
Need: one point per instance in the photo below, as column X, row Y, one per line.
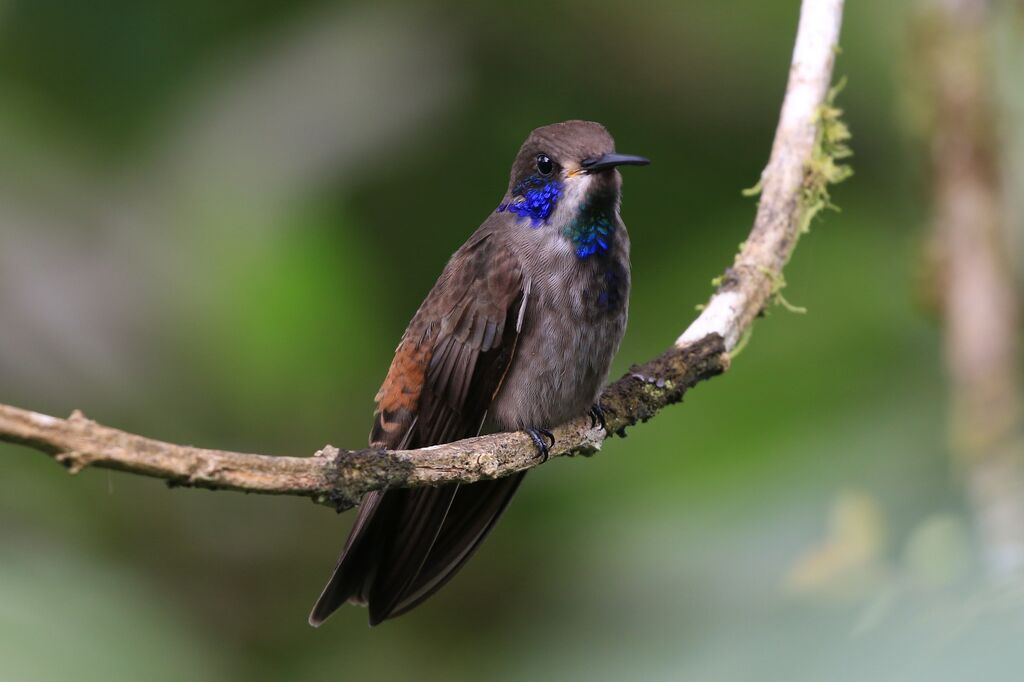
column 647, row 379
column 597, row 416
column 538, row 437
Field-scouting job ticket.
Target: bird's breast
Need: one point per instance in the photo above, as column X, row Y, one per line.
column 575, row 318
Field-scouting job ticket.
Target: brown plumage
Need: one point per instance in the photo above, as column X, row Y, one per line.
column 516, row 306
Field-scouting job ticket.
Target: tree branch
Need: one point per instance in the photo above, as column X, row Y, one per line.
column 340, row 477
column 794, row 187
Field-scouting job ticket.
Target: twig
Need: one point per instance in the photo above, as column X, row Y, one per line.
column 792, row 184
column 787, row 184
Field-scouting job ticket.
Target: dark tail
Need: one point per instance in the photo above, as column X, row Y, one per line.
column 406, row 544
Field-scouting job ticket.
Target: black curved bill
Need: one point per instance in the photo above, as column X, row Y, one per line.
column 612, row 160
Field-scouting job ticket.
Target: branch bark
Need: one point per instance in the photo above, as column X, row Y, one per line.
column 340, row 477
column 792, row 185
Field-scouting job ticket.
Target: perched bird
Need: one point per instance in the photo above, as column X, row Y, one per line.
column 517, row 334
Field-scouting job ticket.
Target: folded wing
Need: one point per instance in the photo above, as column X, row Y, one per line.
column 406, row 544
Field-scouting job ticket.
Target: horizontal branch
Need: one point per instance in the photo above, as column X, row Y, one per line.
column 792, row 188
column 340, row 477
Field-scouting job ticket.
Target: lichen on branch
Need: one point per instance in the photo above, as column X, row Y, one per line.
column 825, row 167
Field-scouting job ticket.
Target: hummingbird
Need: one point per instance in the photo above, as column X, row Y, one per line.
column 517, row 334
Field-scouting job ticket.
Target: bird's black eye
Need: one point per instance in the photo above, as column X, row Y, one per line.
column 545, row 165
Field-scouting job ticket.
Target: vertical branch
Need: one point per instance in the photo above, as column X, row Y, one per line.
column 979, row 298
column 794, row 185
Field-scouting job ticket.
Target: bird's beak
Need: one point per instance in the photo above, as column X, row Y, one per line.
column 611, row 160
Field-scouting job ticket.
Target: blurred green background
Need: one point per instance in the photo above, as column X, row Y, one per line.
column 215, row 221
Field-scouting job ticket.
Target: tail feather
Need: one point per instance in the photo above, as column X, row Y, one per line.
column 406, row 544
column 473, row 514
column 354, row 565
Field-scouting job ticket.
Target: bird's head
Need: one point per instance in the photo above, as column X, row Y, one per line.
column 565, row 178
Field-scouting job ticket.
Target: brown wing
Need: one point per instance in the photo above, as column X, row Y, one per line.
column 406, row 544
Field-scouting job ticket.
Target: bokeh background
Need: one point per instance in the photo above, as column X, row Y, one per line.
column 215, row 221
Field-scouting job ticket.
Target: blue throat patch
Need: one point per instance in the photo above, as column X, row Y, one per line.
column 536, row 199
column 593, row 229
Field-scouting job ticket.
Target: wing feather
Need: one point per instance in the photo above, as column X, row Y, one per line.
column 406, row 544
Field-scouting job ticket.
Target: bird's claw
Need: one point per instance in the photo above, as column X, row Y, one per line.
column 647, row 379
column 597, row 416
column 538, row 437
